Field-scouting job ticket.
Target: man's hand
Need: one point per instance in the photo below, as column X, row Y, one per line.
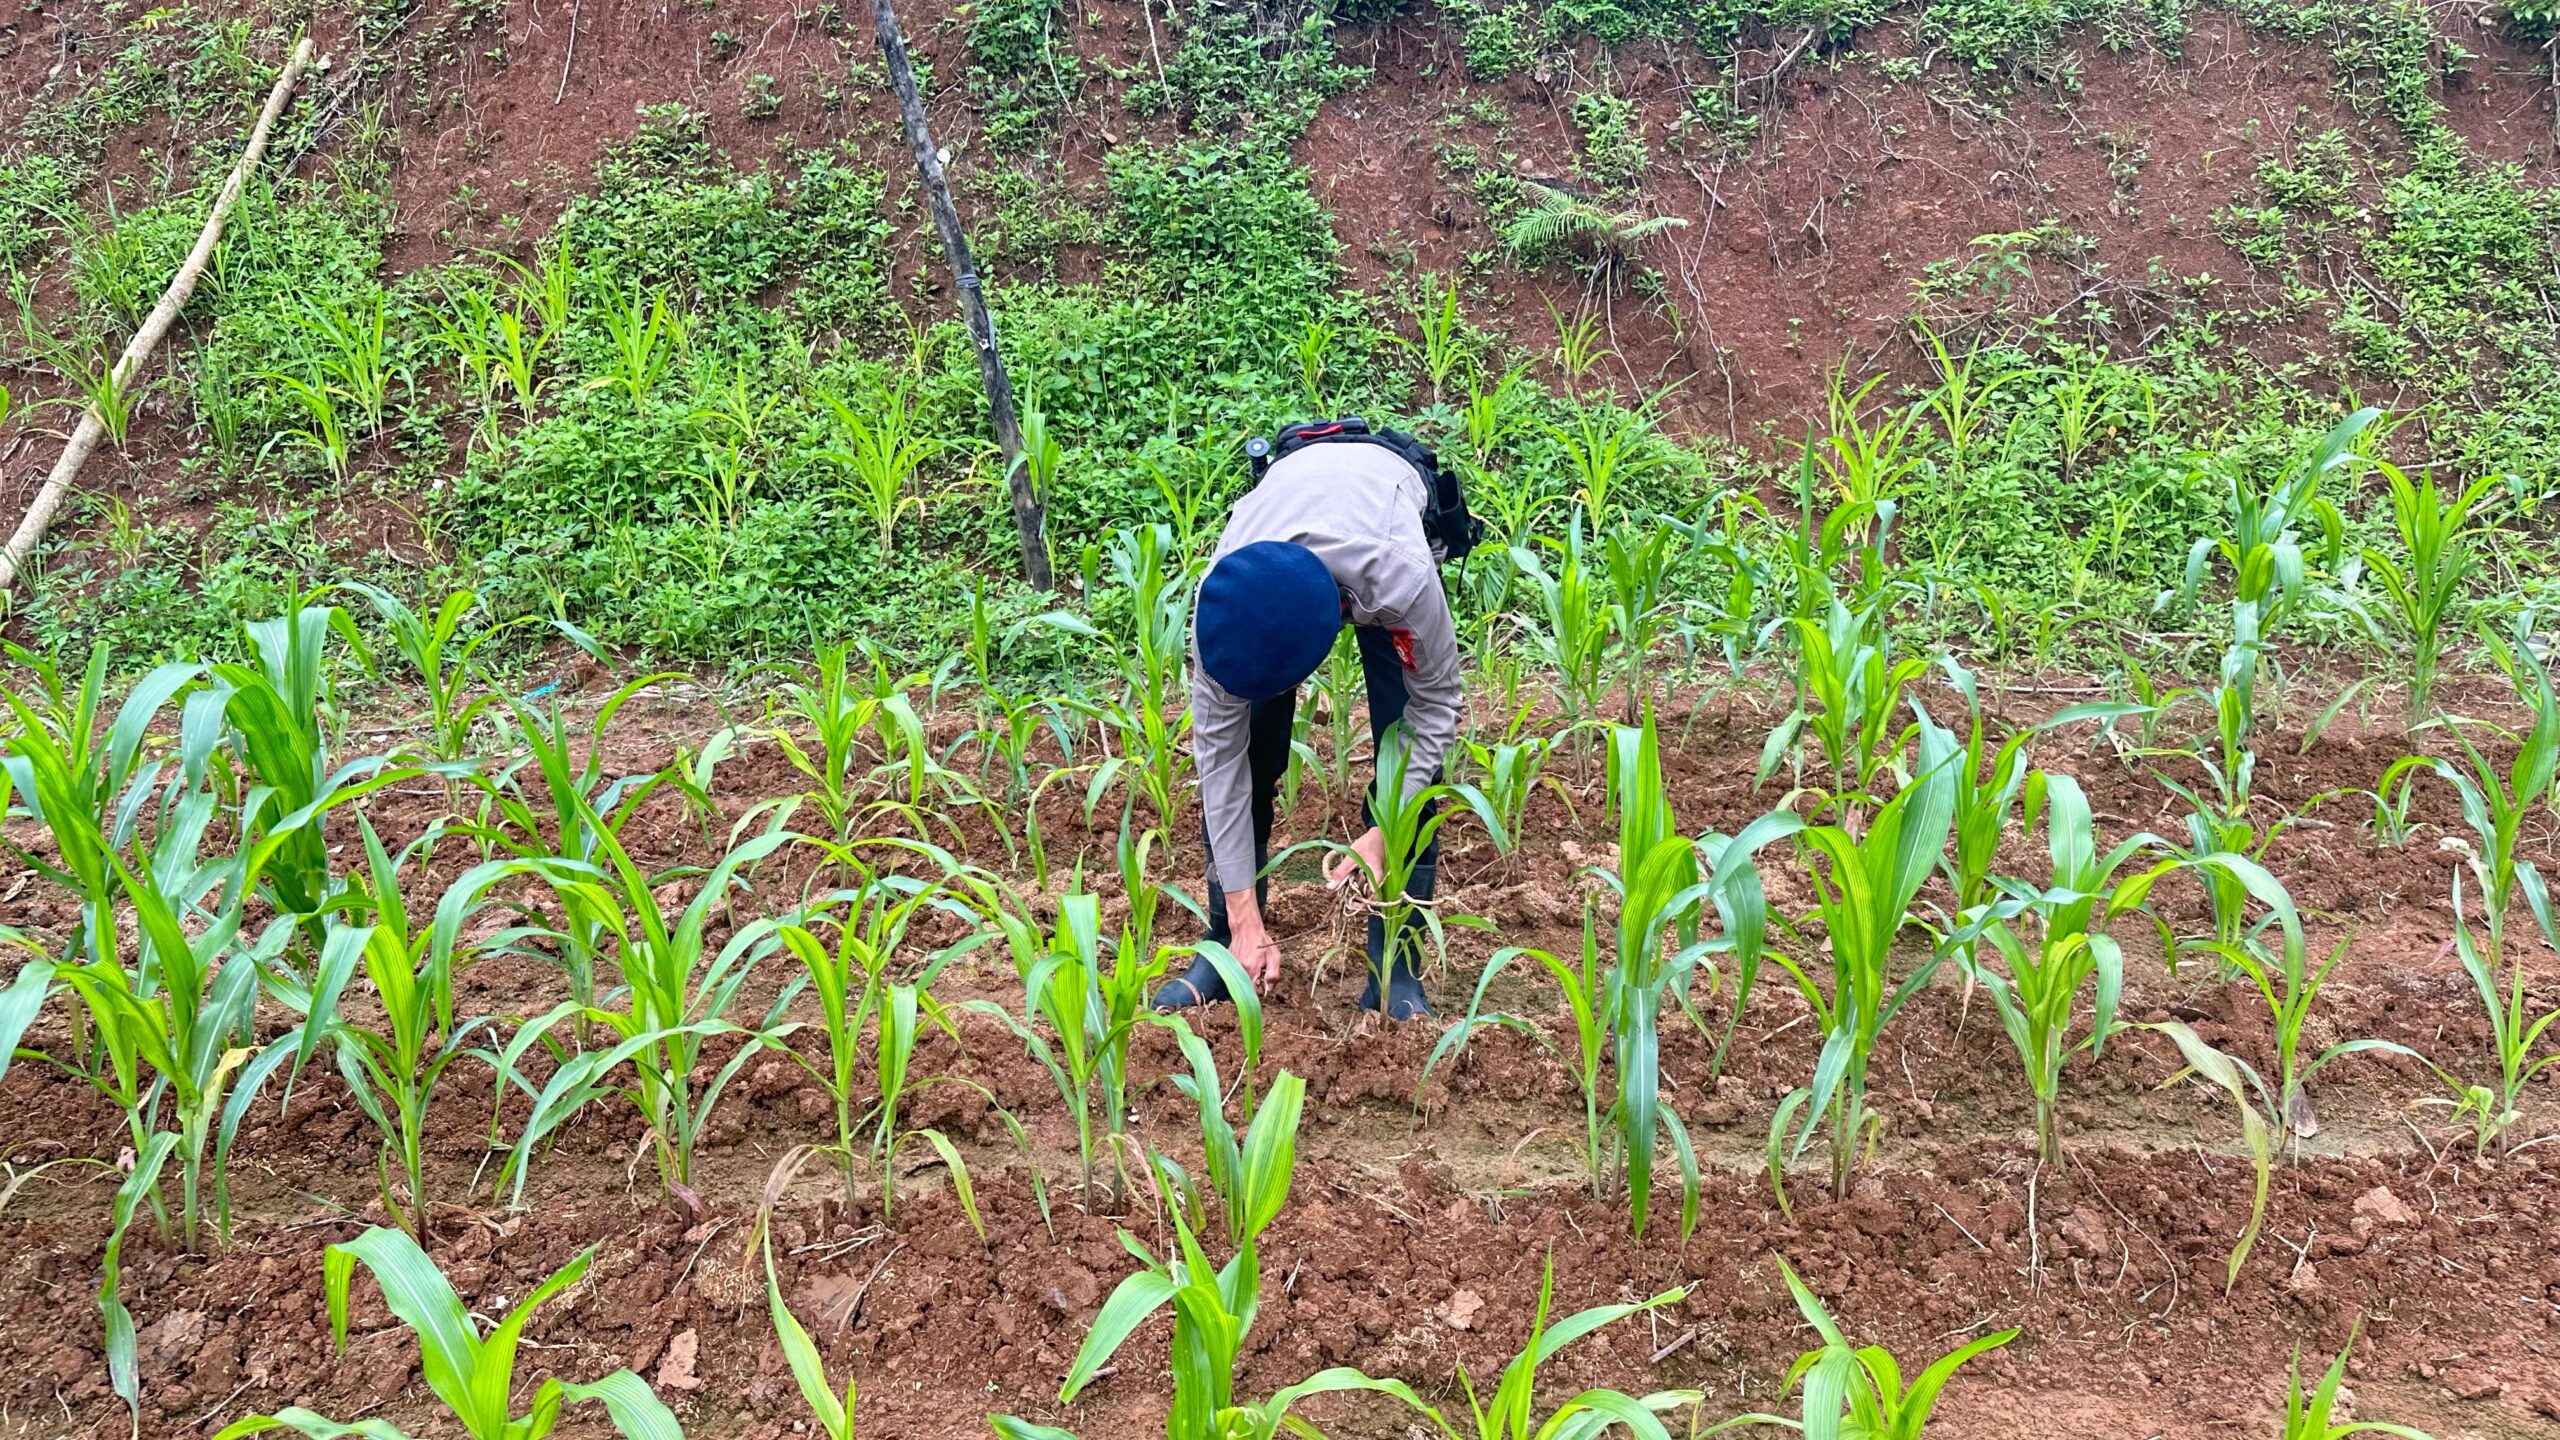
column 1252, row 946
column 1367, row 861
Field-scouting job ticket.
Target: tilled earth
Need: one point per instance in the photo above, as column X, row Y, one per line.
column 1423, row 1212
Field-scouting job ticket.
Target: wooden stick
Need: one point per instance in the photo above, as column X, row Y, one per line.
column 155, row 328
column 1028, row 521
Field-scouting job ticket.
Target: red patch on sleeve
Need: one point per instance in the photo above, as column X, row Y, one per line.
column 1404, row 649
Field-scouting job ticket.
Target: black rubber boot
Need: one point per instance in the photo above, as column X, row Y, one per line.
column 1199, row 985
column 1405, row 1000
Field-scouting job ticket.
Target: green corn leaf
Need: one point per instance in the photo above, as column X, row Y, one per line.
column 636, row 1412
column 1129, row 1305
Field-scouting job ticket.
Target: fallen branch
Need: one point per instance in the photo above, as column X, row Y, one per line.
column 155, row 328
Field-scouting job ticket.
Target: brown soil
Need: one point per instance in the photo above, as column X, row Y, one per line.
column 1413, row 1240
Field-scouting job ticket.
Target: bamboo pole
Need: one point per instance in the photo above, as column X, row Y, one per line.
column 155, row 328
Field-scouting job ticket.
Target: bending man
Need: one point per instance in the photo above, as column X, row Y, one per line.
column 1340, row 530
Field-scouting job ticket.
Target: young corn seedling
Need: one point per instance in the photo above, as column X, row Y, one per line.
column 435, row 647
column 648, row 333
column 392, row 1068
column 1509, row 770
column 857, row 992
column 1849, row 687
column 167, row 1042
column 2425, row 586
column 1213, row 1305
column 276, row 707
column 1986, row 795
column 675, row 996
column 1408, row 814
column 1640, row 558
column 2307, row 1416
column 2271, row 572
column 2495, row 807
column 563, row 812
column 91, row 798
column 2066, row 951
column 350, row 349
column 1571, row 608
column 1856, row 1392
column 833, row 1413
column 1264, row 1420
column 1509, row 1410
column 832, row 707
column 2289, row 984
column 1587, row 990
column 473, row 1373
column 1864, row 887
column 879, row 448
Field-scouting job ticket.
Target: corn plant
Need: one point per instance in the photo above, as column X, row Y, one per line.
column 91, row 799
column 2068, row 951
column 1260, row 1420
column 323, row 430
column 2269, row 568
column 350, row 353
column 833, row 1414
column 647, row 335
column 518, row 355
column 1588, row 990
column 1439, row 335
column 1605, row 446
column 675, row 996
column 1849, row 686
column 434, row 646
column 2495, row 807
column 2289, row 984
column 1213, row 1305
column 1867, row 462
column 879, row 449
column 1987, row 794
column 1509, row 1410
column 1961, row 402
column 1407, row 812
column 392, row 1069
column 566, row 804
column 830, row 704
column 1864, row 886
column 98, row 382
column 1571, row 610
column 2435, row 539
column 1643, row 602
column 1508, row 770
column 857, row 991
column 465, row 323
column 2084, row 395
column 1856, row 1392
column 2306, row 1416
column 471, row 1372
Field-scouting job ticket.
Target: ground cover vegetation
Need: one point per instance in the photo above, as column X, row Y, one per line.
column 726, row 764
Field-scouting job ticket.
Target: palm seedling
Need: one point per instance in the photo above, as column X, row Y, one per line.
column 1213, row 1305
column 1856, row 1392
column 2435, row 541
column 471, row 1372
column 1864, row 886
column 1557, row 218
column 2495, row 807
